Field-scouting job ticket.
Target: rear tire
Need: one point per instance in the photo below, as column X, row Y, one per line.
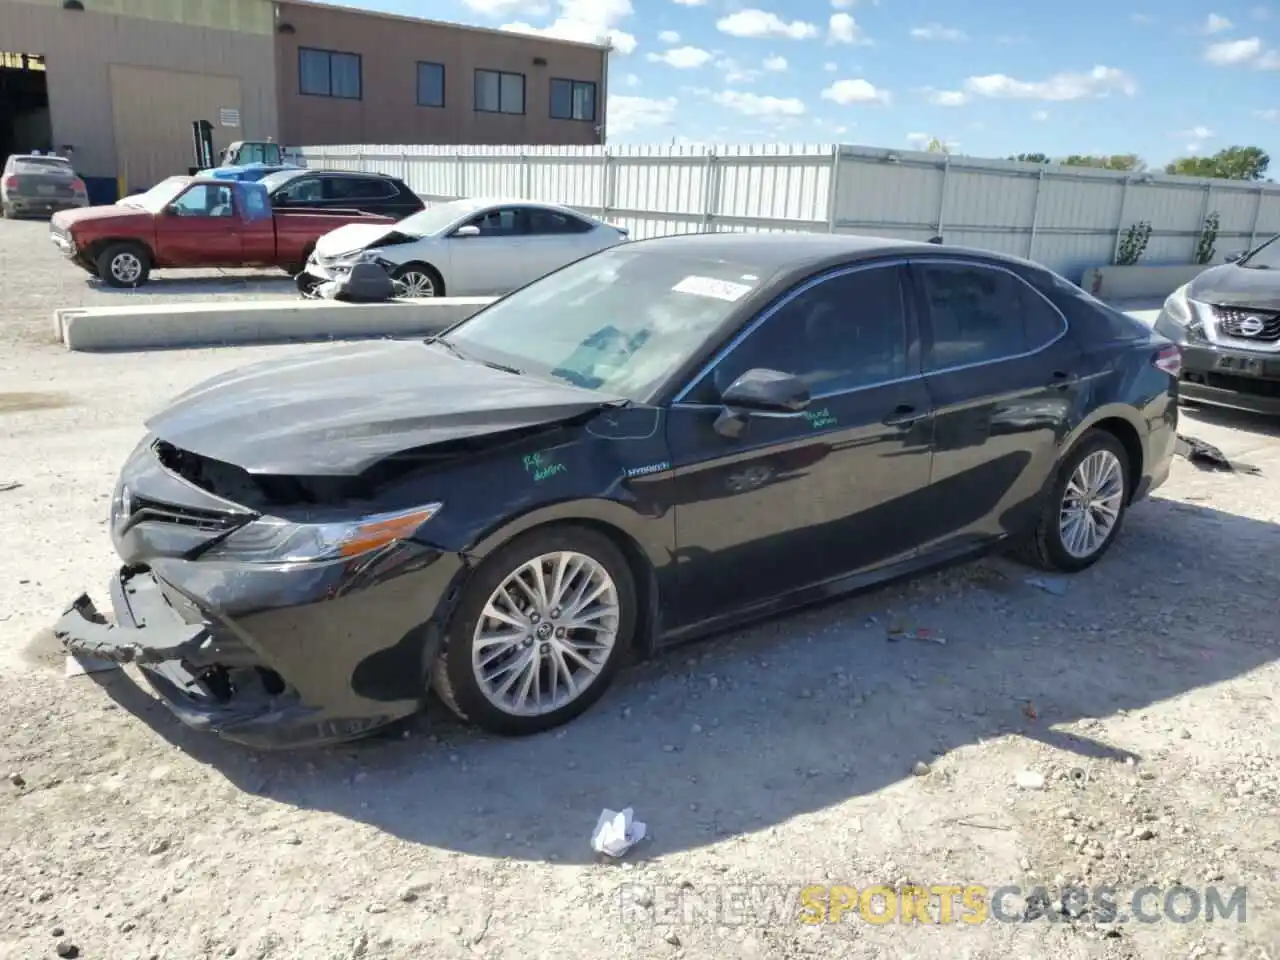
column 124, row 265
column 1084, row 509
column 585, row 564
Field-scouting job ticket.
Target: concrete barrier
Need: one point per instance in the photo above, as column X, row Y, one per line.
column 1138, row 282
column 168, row 326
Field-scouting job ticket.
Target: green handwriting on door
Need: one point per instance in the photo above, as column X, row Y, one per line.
column 540, row 467
column 819, row 419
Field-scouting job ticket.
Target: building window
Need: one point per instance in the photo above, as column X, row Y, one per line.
column 573, row 100
column 328, row 73
column 430, row 84
column 498, row 92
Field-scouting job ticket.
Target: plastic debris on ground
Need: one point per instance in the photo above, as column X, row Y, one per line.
column 1208, row 457
column 1030, row 780
column 1055, row 585
column 7, row 485
column 616, row 833
column 898, row 632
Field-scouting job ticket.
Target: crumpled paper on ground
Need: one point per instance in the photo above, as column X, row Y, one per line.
column 616, row 833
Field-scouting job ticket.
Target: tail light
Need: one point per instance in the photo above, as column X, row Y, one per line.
column 1170, row 361
column 77, row 185
column 11, row 183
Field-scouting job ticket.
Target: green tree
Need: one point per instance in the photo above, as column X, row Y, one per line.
column 1117, row 161
column 937, row 146
column 1031, row 157
column 1233, row 163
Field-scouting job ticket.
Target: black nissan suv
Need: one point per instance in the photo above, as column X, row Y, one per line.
column 1227, row 323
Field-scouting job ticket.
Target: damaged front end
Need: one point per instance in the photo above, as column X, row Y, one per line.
column 269, row 631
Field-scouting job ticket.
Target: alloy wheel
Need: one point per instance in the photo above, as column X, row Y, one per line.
column 415, row 284
column 545, row 633
column 126, row 267
column 1091, row 504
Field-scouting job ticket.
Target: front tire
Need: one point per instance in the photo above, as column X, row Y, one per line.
column 1085, row 508
column 416, row 281
column 124, row 265
column 540, row 632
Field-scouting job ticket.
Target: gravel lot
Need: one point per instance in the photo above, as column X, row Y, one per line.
column 803, row 751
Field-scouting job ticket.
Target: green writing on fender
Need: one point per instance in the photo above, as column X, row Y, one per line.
column 540, row 468
column 820, row 418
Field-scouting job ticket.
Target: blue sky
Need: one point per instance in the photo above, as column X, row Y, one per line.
column 1093, row 76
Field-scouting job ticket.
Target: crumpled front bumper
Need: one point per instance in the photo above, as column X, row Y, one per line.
column 294, row 658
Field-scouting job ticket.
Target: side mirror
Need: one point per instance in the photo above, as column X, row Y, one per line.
column 759, row 391
column 469, row 230
column 171, row 210
column 766, row 391
column 1233, row 257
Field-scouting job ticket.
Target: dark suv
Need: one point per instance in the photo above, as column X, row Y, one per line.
column 1227, row 323
column 375, row 193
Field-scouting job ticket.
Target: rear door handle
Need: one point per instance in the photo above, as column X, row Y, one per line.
column 904, row 415
column 1061, row 380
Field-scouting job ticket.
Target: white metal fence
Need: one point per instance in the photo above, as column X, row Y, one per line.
column 1069, row 218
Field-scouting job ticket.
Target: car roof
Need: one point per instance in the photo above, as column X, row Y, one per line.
column 299, row 171
column 777, row 251
column 476, row 203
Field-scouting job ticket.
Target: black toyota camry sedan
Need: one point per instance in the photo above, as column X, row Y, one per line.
column 662, row 439
column 1227, row 322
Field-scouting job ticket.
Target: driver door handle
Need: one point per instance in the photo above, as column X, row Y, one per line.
column 903, row 415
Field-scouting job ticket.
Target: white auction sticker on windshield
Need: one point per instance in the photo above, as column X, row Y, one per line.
column 710, row 287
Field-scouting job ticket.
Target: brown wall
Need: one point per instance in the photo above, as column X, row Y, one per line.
column 81, row 47
column 390, row 49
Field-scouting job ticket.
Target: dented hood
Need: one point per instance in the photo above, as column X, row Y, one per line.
column 338, row 410
column 352, row 238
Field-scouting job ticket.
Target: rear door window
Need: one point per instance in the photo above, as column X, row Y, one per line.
column 542, row 221
column 358, row 188
column 979, row 314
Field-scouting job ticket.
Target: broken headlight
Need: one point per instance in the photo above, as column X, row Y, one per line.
column 1184, row 311
column 272, row 540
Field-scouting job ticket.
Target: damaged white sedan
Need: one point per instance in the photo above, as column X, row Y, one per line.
column 464, row 248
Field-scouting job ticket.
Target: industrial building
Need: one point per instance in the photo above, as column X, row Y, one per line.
column 117, row 84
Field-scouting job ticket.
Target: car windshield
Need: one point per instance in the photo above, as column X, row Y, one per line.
column 159, row 196
column 621, row 321
column 432, row 220
column 41, row 165
column 1266, row 257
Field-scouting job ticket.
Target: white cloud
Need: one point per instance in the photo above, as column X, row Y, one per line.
column 669, row 36
column 1196, row 133
column 1216, row 24
column 1232, row 52
column 509, row 8
column 1098, row 82
column 842, row 4
column 587, row 21
column 1270, row 114
column 936, row 31
column 830, row 67
column 735, row 73
column 634, row 113
column 948, row 98
column 775, row 64
column 630, row 80
column 760, row 23
column 1142, row 19
column 682, row 58
column 751, row 105
column 1040, row 116
column 842, row 28
column 845, row 92
column 691, row 3
column 1268, row 61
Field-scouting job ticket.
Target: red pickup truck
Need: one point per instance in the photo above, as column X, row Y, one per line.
column 193, row 222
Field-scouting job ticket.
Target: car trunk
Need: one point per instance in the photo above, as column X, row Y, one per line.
column 54, row 185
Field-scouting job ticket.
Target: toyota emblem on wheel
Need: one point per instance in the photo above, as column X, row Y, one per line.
column 1251, row 326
